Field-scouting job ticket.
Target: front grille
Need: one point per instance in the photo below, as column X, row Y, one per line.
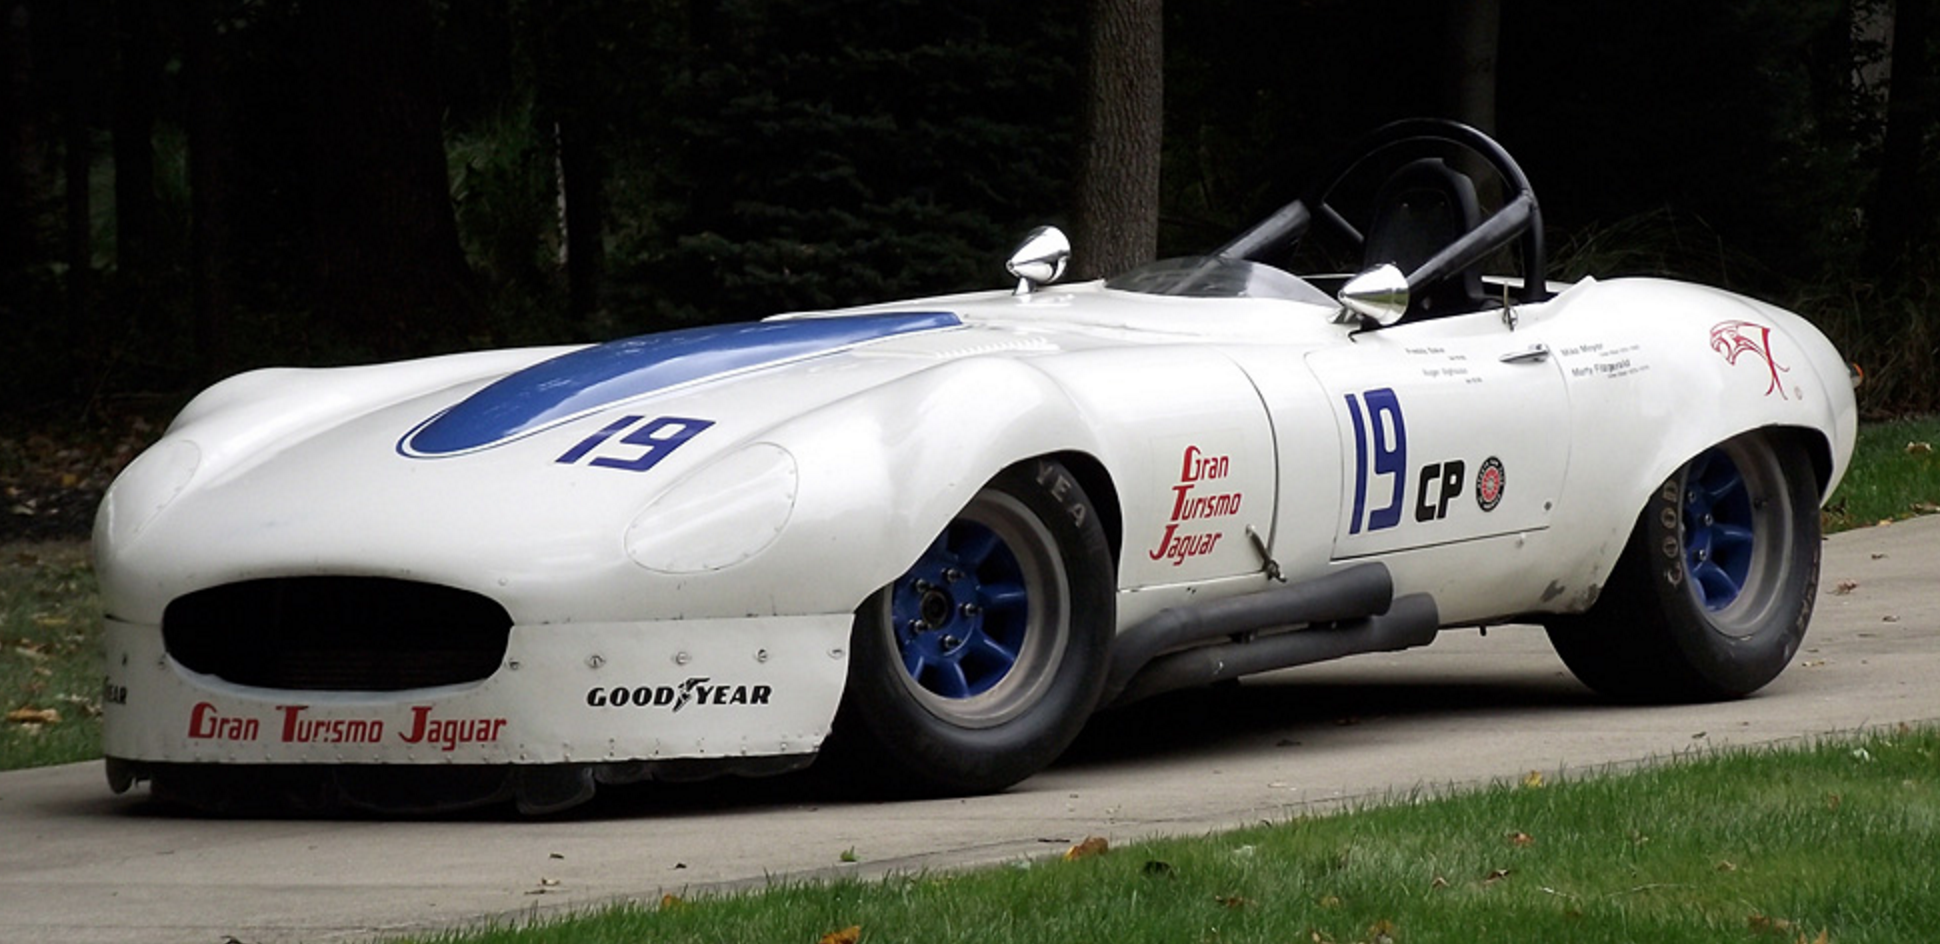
column 364, row 634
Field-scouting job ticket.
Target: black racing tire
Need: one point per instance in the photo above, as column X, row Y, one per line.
column 1711, row 597
column 979, row 665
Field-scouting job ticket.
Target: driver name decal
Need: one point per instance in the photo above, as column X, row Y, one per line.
column 1198, row 498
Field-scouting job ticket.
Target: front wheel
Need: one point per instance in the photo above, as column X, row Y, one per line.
column 1713, row 593
column 980, row 664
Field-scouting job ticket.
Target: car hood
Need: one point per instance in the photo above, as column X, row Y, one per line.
column 518, row 473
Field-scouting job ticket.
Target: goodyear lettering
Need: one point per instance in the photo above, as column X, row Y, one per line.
column 1193, row 499
column 208, row 724
column 694, row 691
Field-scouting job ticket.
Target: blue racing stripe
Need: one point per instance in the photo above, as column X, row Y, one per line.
column 574, row 384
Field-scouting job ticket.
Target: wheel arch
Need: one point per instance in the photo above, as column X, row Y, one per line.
column 1098, row 484
column 880, row 487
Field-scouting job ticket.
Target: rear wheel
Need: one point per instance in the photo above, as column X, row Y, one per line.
column 979, row 665
column 1712, row 596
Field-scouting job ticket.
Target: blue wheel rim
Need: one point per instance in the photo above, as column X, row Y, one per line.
column 962, row 613
column 1720, row 529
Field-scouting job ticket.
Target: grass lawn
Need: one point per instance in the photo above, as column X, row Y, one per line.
column 1821, row 844
column 50, row 655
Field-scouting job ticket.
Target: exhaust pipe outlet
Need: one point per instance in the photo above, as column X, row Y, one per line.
column 1351, row 593
column 1412, row 621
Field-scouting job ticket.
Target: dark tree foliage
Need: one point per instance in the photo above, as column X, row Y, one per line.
column 1901, row 204
column 1618, row 108
column 209, row 185
column 827, row 152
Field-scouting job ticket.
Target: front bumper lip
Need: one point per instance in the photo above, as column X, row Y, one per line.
column 573, row 693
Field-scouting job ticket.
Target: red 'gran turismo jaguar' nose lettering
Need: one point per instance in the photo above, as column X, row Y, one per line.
column 206, row 723
column 448, row 733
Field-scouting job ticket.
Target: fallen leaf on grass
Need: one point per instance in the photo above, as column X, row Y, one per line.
column 1496, row 875
column 1919, row 449
column 1763, row 924
column 1925, row 508
column 670, row 902
column 34, row 716
column 1381, row 932
column 1092, row 846
column 1439, row 882
column 1726, row 865
column 1533, row 779
column 848, row 935
column 1832, row 801
column 1521, row 840
column 1231, row 901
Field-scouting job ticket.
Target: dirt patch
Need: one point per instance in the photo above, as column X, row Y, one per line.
column 52, row 480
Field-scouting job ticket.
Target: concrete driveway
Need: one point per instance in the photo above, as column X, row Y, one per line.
column 78, row 864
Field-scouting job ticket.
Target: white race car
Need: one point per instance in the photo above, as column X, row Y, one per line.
column 938, row 535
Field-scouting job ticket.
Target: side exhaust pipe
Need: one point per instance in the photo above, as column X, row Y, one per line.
column 1187, row 646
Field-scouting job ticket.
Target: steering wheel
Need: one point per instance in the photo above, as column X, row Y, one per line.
column 1519, row 218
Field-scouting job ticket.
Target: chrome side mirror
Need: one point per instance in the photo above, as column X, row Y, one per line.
column 1380, row 295
column 1040, row 259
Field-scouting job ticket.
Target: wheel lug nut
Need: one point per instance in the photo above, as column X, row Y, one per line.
column 970, row 609
column 952, row 575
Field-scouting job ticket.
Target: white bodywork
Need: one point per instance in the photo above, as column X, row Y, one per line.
column 700, row 608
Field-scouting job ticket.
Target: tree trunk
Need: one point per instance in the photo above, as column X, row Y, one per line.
column 389, row 266
column 211, row 158
column 1898, row 205
column 571, row 108
column 1476, row 26
column 582, row 179
column 1116, row 218
column 78, row 219
column 19, row 147
column 137, row 33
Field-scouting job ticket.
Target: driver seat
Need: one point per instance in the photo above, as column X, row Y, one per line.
column 1421, row 208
